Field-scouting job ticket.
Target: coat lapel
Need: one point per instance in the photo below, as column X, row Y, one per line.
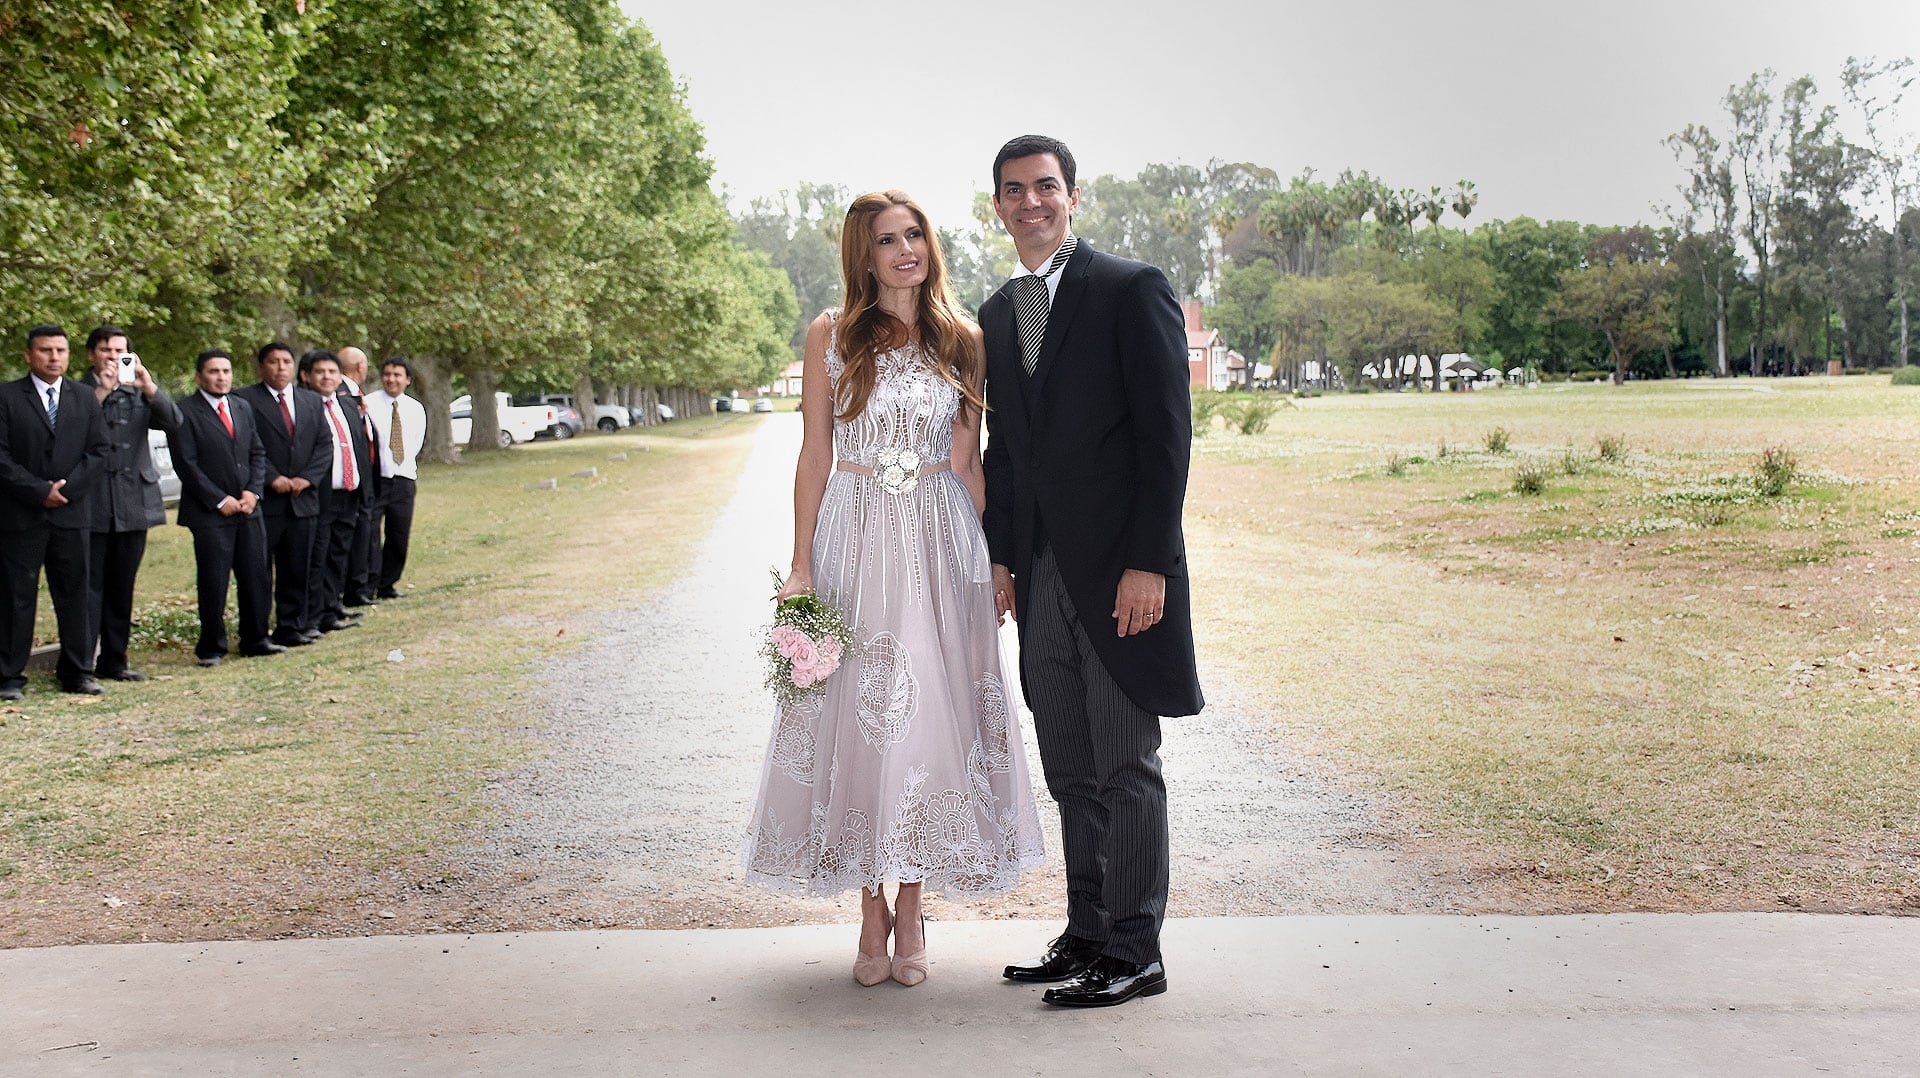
column 1003, row 352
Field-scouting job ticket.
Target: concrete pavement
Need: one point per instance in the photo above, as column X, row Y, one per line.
column 1733, row 994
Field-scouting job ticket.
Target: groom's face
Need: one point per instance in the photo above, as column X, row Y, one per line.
column 1035, row 203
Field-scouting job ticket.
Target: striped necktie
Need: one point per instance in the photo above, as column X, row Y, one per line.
column 1032, row 306
column 53, row 407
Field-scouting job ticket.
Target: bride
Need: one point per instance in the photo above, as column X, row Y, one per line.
column 908, row 768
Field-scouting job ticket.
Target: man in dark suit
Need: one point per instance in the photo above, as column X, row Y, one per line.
column 293, row 431
column 1086, row 465
column 343, row 496
column 223, row 471
column 53, row 450
column 128, row 501
column 363, row 558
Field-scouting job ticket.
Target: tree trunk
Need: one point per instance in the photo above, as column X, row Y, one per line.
column 583, row 400
column 1900, row 287
column 434, row 383
column 1760, row 324
column 486, row 412
column 1667, row 346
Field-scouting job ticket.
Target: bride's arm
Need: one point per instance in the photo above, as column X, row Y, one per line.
column 816, row 457
column 966, row 430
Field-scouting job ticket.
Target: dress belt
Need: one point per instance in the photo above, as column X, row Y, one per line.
column 861, row 469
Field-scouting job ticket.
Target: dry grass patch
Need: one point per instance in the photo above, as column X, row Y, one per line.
column 290, row 794
column 1649, row 685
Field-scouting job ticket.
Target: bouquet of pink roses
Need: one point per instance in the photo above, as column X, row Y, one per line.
column 805, row 646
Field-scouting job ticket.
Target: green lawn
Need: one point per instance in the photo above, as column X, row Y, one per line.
column 1648, row 686
column 230, row 802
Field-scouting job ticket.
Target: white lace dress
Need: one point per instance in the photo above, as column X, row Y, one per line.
column 909, row 767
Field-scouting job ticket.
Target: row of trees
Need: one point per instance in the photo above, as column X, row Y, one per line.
column 511, row 192
column 1786, row 245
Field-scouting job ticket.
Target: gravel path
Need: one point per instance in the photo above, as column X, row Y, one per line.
column 634, row 815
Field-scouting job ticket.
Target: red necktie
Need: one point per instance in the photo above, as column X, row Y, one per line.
column 224, row 420
column 346, row 445
column 286, row 413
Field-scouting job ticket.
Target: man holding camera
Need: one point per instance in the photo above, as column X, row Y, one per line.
column 128, row 501
column 53, row 448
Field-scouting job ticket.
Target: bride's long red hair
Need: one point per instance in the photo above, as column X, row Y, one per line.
column 866, row 331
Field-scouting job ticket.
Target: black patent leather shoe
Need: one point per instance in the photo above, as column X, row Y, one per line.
column 85, row 686
column 390, row 593
column 1066, row 956
column 266, row 647
column 1107, row 982
column 333, row 625
column 125, row 675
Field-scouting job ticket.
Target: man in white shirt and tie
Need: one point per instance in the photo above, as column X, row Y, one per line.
column 400, row 432
column 340, row 498
column 53, row 453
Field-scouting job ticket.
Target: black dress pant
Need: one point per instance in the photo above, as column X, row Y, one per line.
column 115, row 562
column 236, row 549
column 290, row 554
column 333, row 537
column 395, row 517
column 363, row 557
column 63, row 552
column 1101, row 755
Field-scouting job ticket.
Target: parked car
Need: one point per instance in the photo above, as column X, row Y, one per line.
column 517, row 423
column 763, row 404
column 566, row 420
column 666, row 413
column 163, row 463
column 723, row 404
column 606, row 417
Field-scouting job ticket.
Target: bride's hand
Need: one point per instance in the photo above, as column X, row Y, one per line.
column 798, row 583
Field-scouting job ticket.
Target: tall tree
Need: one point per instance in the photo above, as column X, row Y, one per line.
column 1622, row 293
column 1756, row 145
column 1706, row 216
column 1879, row 90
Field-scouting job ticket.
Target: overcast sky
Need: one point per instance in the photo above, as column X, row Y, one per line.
column 1554, row 109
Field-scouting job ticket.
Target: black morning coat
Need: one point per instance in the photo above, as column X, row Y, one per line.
column 1092, row 451
column 33, row 454
column 213, row 466
column 128, row 499
column 306, row 454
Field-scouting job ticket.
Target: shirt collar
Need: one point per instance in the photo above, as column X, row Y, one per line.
column 1050, row 267
column 44, row 386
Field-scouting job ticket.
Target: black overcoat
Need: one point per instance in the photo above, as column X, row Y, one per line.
column 1093, row 449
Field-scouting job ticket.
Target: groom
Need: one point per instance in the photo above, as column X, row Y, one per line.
column 1086, row 463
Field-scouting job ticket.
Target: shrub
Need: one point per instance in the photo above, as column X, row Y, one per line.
column 1907, row 376
column 1497, row 439
column 1443, row 450
column 1250, row 415
column 1610, row 446
column 1570, row 462
column 1529, row 478
column 1396, row 464
column 1205, row 407
column 1775, row 471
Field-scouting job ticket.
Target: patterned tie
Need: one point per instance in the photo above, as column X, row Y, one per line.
column 394, row 441
column 286, row 413
column 53, row 407
column 345, row 443
column 1031, row 305
column 225, row 420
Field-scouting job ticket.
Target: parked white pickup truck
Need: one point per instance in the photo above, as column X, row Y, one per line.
column 517, row 423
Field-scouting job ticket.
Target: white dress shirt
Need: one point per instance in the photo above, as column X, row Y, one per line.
column 286, row 395
column 1052, row 279
column 413, row 432
column 40, row 390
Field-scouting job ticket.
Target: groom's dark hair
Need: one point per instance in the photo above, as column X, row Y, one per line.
column 1028, row 146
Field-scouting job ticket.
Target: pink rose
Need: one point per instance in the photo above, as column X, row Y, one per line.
column 788, row 641
column 803, row 675
column 828, row 649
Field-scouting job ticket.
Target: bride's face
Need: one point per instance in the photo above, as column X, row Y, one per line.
column 899, row 255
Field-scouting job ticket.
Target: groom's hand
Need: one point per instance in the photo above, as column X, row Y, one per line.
column 1003, row 595
column 1139, row 602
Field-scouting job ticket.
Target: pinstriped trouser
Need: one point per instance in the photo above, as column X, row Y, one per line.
column 1100, row 753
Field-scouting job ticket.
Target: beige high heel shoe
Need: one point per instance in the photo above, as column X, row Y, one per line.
column 870, row 970
column 911, row 969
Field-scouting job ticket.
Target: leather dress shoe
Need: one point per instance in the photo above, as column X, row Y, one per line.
column 125, row 675
column 333, row 624
column 310, row 635
column 267, row 648
column 291, row 639
column 11, row 693
column 86, row 686
column 208, row 660
column 1107, row 982
column 391, row 593
column 359, row 600
column 1066, row 956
